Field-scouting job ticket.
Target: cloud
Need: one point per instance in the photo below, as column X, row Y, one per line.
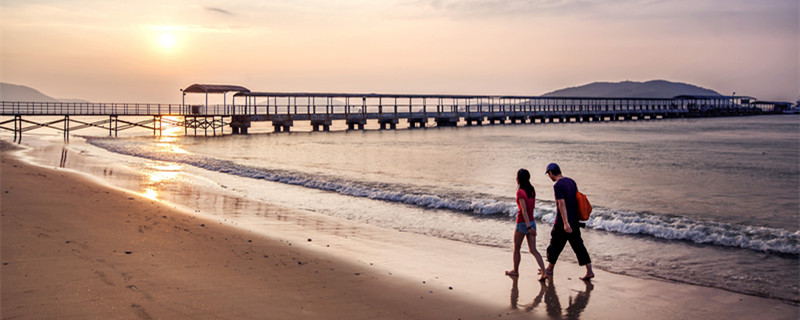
column 194, row 28
column 219, row 10
column 603, row 9
column 489, row 8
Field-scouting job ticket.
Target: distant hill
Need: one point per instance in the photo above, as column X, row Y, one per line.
column 13, row 92
column 632, row 89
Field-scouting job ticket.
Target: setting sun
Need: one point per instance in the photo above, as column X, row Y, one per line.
column 167, row 41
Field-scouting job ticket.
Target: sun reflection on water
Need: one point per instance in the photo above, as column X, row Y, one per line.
column 167, row 141
column 159, row 173
column 156, row 175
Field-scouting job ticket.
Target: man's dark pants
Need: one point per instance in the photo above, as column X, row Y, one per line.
column 559, row 238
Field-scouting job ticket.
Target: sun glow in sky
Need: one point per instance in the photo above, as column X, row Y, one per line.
column 145, row 51
column 167, row 41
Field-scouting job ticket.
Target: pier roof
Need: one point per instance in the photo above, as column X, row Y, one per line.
column 355, row 95
column 419, row 96
column 214, row 88
column 701, row 97
column 774, row 102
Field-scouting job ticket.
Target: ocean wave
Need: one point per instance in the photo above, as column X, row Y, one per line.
column 697, row 231
column 617, row 221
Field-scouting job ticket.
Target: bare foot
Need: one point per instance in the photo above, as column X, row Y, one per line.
column 588, row 276
column 542, row 275
column 512, row 273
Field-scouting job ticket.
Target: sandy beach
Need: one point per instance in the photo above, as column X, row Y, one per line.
column 73, row 248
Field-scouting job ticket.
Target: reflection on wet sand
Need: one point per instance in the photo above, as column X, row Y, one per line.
column 547, row 291
column 63, row 163
column 156, row 174
column 173, row 183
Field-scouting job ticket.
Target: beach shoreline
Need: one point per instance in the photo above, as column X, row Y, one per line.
column 143, row 259
column 96, row 252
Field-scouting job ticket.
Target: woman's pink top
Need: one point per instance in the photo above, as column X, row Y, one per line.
column 529, row 202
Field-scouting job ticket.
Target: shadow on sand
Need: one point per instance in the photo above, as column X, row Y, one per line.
column 552, row 306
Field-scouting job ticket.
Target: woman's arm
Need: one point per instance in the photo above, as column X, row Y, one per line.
column 524, row 207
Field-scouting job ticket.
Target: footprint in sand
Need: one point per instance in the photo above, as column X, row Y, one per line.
column 102, row 276
column 140, row 312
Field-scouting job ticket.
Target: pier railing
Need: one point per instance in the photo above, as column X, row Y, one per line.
column 373, row 104
column 343, row 105
column 89, row 108
column 282, row 109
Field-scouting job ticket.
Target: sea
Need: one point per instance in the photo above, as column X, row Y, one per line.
column 708, row 201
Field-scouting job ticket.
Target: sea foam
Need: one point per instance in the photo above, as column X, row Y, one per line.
column 618, row 221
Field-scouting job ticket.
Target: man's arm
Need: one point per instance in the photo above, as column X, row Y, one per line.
column 562, row 207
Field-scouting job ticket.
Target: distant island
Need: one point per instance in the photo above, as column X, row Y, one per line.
column 13, row 92
column 632, row 89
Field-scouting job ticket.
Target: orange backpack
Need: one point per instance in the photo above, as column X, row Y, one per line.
column 584, row 207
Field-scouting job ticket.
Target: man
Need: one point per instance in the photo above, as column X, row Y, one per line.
column 567, row 227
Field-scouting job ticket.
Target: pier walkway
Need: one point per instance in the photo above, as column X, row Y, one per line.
column 283, row 109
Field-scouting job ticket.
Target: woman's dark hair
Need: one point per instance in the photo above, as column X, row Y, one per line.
column 524, row 180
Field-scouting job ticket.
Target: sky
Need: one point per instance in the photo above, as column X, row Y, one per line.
column 147, row 50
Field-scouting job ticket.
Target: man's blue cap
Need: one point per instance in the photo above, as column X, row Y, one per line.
column 552, row 166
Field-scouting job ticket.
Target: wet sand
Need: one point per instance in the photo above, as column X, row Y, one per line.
column 72, row 248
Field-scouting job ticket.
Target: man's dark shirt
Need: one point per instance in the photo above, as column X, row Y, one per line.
column 565, row 189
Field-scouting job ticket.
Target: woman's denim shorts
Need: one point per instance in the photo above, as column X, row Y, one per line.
column 522, row 228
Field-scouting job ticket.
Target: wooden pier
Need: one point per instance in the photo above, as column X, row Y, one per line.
column 320, row 110
column 388, row 110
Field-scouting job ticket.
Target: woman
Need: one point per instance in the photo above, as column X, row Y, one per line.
column 526, row 227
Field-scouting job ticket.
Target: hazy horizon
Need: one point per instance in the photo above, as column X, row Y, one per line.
column 146, row 51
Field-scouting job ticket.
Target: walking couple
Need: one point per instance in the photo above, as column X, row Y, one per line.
column 566, row 228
